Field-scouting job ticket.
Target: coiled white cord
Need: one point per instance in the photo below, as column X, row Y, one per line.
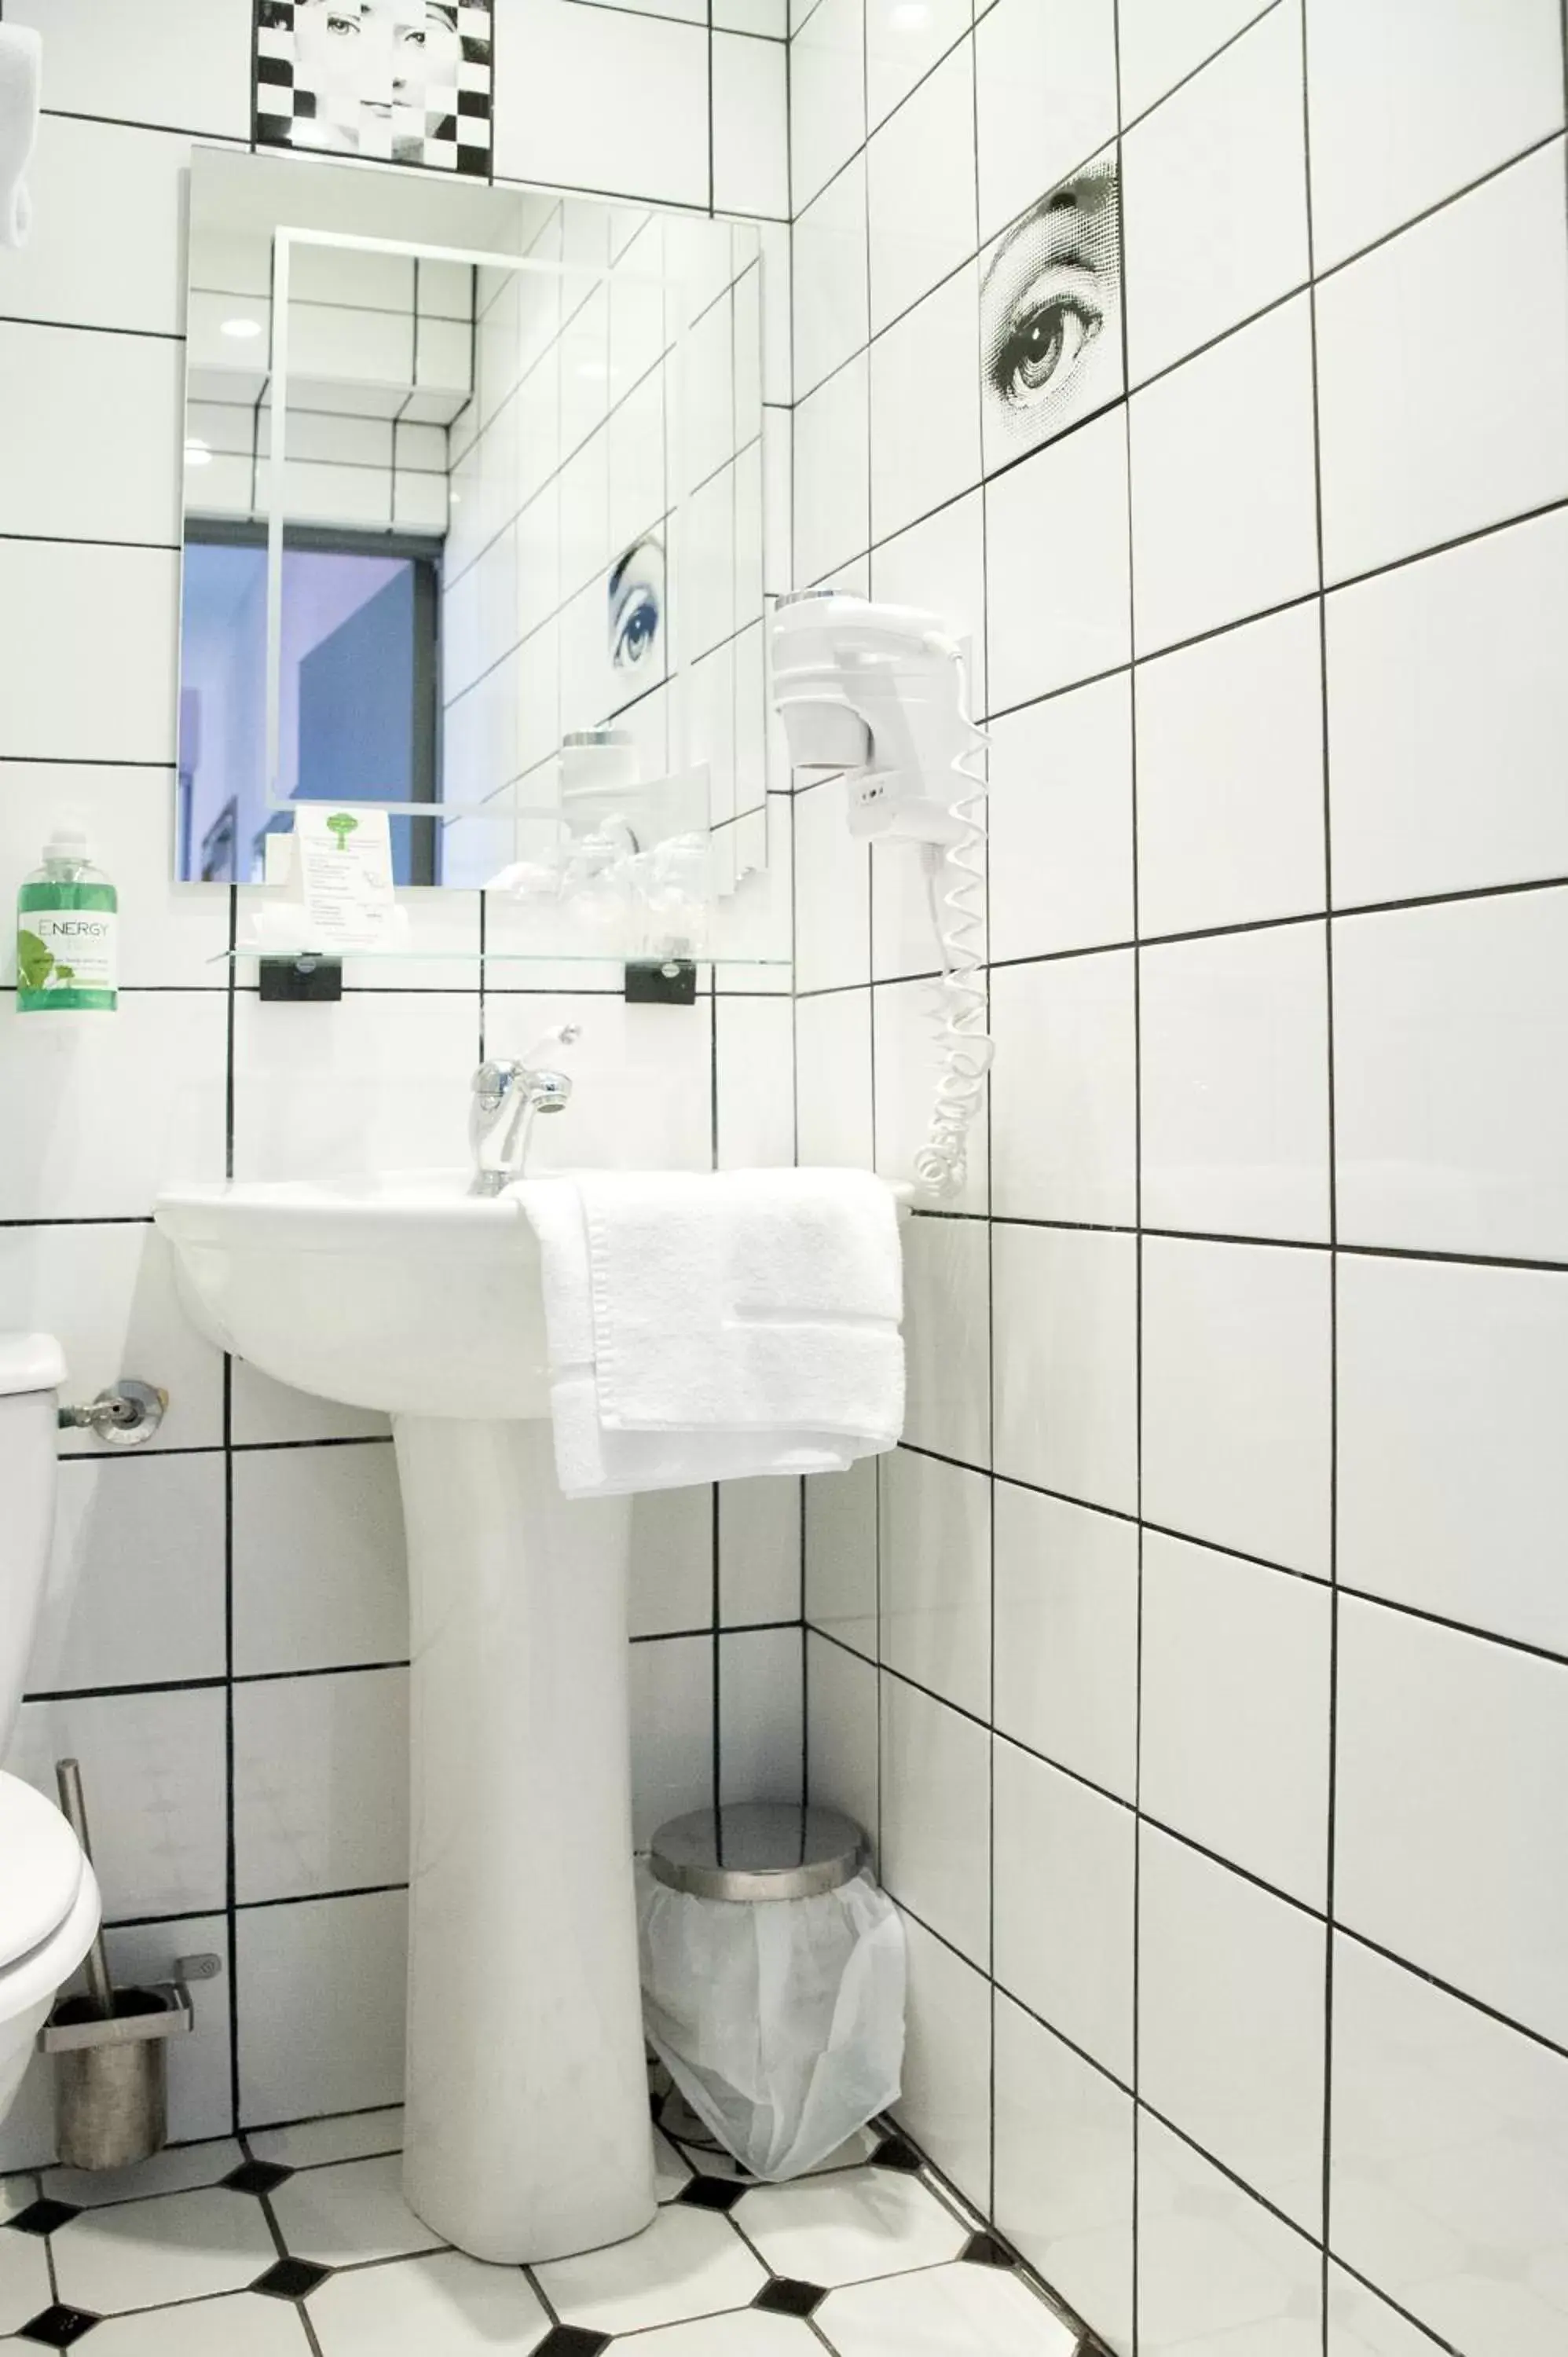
column 942, row 1163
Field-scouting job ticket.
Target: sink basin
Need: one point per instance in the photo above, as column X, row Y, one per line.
column 528, row 2132
column 402, row 1292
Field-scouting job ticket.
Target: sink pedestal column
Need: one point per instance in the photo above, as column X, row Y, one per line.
column 528, row 2132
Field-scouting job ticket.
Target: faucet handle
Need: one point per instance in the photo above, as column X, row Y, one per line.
column 495, row 1080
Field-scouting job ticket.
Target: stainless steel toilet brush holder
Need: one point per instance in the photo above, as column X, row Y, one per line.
column 111, row 2046
column 110, row 2075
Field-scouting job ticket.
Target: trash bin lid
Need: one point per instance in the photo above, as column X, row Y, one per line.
column 757, row 1850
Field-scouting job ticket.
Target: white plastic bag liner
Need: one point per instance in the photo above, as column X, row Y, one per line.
column 781, row 2023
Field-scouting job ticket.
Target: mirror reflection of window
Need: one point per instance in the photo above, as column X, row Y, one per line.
column 357, row 701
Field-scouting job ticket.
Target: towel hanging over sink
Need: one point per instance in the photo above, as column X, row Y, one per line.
column 706, row 1326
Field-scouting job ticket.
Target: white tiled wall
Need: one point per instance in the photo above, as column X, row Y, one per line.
column 1202, row 1658
column 226, row 1630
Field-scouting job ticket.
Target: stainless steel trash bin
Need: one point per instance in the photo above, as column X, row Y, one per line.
column 773, row 1979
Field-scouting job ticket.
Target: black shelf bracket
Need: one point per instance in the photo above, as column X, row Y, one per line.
column 661, row 982
column 302, row 976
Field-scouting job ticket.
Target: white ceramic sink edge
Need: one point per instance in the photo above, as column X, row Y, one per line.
column 399, row 1291
column 402, row 1292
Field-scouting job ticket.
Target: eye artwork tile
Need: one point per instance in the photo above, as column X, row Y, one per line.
column 1050, row 314
column 637, row 614
column 406, row 82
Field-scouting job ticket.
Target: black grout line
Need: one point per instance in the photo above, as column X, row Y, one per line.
column 1325, row 2125
column 81, row 762
column 983, row 666
column 1429, row 212
column 1132, row 121
column 87, row 539
column 1145, row 1818
column 1461, row 896
column 1213, row 630
column 232, row 1870
column 1380, row 2291
column 317, row 1670
column 319, row 1898
column 1229, row 1236
column 1183, row 2136
column 879, row 1519
column 1135, row 2026
column 1467, row 1997
column 1558, row 1658
column 214, row 1685
column 220, row 1680
column 92, row 328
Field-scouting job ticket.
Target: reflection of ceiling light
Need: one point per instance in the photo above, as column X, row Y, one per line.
column 197, row 453
column 911, row 17
column 593, row 372
column 240, row 329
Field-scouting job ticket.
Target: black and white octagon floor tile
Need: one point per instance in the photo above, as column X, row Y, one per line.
column 688, row 2263
column 845, row 2228
column 964, row 2310
column 300, row 2237
column 238, row 2325
column 753, row 2333
column 349, row 2212
column 440, row 2304
column 176, row 2246
column 180, row 2168
column 24, row 2286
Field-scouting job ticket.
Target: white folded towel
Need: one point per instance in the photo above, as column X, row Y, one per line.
column 702, row 1327
column 21, row 88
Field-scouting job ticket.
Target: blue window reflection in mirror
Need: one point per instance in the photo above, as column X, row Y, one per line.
column 360, row 704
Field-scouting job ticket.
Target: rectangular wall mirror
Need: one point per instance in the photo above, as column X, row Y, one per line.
column 518, row 506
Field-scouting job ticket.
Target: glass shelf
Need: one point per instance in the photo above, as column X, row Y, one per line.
column 389, row 954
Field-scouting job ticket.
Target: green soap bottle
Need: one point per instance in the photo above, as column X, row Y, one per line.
column 67, row 922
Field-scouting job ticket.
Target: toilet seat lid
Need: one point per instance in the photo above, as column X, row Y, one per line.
column 40, row 1870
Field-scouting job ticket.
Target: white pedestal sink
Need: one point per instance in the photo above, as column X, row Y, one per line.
column 528, row 2130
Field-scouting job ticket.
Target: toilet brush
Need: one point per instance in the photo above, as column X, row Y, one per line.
column 73, row 1808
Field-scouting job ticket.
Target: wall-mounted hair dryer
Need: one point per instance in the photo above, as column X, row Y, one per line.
column 878, row 692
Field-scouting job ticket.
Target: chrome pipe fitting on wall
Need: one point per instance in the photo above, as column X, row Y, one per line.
column 125, row 1415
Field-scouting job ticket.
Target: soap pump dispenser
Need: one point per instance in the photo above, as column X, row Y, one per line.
column 67, row 919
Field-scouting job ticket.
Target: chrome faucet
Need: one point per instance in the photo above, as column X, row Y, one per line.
column 508, row 1091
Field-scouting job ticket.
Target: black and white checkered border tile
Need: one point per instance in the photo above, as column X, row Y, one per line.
column 450, row 132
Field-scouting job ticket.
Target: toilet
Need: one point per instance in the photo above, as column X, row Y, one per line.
column 49, row 1906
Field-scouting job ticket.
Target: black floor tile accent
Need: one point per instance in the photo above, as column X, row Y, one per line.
column 893, row 2153
column 57, row 2327
column 573, row 2340
column 291, row 2278
column 785, row 2295
column 985, row 2250
column 257, row 2177
column 45, row 2217
column 712, row 2192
